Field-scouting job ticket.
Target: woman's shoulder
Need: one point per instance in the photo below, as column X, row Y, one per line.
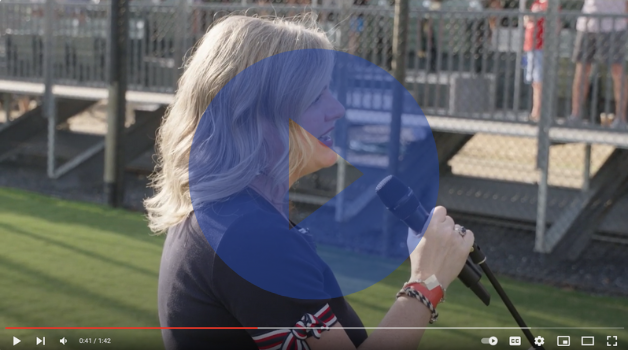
column 276, row 258
column 246, row 220
column 187, row 234
column 269, row 232
column 238, row 224
column 186, row 264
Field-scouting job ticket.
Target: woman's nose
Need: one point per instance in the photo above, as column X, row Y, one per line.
column 336, row 109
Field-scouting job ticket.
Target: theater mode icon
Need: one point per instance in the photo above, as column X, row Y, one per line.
column 587, row 340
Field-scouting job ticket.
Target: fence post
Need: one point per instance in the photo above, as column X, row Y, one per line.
column 342, row 124
column 182, row 42
column 116, row 108
column 7, row 106
column 49, row 99
column 400, row 45
column 586, row 174
column 547, row 117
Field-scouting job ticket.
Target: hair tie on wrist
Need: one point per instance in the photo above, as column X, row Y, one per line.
column 411, row 292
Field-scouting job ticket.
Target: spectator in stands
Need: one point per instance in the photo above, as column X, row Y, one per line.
column 493, row 5
column 603, row 40
column 427, row 47
column 356, row 28
column 533, row 46
column 327, row 17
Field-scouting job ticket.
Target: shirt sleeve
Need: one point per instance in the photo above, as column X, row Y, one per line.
column 268, row 276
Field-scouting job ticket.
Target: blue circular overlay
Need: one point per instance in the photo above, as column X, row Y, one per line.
column 240, row 163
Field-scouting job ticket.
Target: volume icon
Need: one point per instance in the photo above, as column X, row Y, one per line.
column 63, row 341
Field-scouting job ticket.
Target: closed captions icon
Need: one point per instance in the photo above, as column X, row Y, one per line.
column 515, row 341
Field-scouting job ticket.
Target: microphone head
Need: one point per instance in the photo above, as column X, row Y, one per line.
column 390, row 190
column 398, row 197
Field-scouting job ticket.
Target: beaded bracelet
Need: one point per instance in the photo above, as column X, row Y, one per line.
column 411, row 292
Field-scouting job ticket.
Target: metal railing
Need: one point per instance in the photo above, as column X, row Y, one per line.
column 459, row 64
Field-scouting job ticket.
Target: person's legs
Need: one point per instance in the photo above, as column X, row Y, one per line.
column 354, row 35
column 616, row 57
column 535, row 76
column 584, row 52
column 353, row 43
column 580, row 88
column 537, row 89
column 24, row 104
column 620, row 88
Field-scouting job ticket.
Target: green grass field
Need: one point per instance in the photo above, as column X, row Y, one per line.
column 65, row 263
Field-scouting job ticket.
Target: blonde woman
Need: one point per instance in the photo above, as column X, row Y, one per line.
column 222, row 181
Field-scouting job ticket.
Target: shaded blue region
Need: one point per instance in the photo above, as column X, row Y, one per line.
column 251, row 237
column 256, row 242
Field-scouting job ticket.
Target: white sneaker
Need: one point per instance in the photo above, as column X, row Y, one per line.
column 618, row 124
column 573, row 121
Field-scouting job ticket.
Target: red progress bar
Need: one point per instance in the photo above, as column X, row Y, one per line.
column 134, row 328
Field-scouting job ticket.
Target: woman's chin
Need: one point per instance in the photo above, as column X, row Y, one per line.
column 326, row 158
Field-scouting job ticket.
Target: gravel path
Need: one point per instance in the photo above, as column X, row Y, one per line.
column 602, row 268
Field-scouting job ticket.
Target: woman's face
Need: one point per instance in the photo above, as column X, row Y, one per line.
column 319, row 120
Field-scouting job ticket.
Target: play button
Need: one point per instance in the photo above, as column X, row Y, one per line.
column 15, row 341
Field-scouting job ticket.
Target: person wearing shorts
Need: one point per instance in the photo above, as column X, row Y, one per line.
column 533, row 46
column 601, row 40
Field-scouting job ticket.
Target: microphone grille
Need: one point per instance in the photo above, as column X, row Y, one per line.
column 390, row 190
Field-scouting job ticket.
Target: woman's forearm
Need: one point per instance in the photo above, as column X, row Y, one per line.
column 405, row 312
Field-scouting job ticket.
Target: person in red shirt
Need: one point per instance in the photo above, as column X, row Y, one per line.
column 533, row 46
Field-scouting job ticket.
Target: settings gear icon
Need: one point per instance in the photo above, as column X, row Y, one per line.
column 538, row 341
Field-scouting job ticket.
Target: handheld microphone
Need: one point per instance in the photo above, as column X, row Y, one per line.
column 404, row 204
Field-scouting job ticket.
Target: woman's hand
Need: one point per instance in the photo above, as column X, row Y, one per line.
column 442, row 251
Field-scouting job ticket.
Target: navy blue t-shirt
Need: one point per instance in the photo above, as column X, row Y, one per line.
column 199, row 287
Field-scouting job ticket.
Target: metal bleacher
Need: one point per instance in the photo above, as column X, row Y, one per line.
column 458, row 104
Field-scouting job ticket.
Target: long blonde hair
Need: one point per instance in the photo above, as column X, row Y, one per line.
column 229, row 47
